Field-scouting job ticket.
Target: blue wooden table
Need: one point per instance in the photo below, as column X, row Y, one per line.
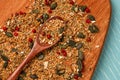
column 108, row 67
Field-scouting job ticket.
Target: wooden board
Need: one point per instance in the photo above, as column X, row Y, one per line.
column 99, row 8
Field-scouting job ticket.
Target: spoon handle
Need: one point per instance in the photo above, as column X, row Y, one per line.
column 16, row 73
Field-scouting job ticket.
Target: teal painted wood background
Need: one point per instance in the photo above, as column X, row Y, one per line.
column 108, row 67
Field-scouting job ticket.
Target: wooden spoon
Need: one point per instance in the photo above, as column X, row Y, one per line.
column 101, row 9
column 37, row 48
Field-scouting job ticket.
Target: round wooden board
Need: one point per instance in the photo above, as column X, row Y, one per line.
column 101, row 9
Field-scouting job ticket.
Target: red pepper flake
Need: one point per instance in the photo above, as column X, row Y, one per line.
column 64, row 53
column 41, row 16
column 58, row 52
column 4, row 28
column 87, row 10
column 49, row 36
column 46, row 2
column 49, row 11
column 76, row 76
column 22, row 13
column 88, row 39
column 15, row 34
column 17, row 28
column 30, row 40
column 16, row 14
column 34, row 31
column 88, row 21
column 71, row 2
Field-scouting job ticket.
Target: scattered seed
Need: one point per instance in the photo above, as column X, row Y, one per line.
column 93, row 29
column 33, row 76
column 41, row 56
column 36, row 11
column 82, row 8
column 81, row 35
column 9, row 34
column 71, row 43
column 14, row 50
column 79, row 63
column 92, row 18
column 40, row 20
column 23, row 73
column 5, row 64
column 75, row 8
column 80, row 55
column 79, row 45
column 31, row 45
column 45, row 16
column 5, row 58
column 20, row 78
column 53, row 5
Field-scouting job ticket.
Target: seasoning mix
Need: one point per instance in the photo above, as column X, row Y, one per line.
column 64, row 61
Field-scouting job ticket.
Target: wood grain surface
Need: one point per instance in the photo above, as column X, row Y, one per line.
column 99, row 8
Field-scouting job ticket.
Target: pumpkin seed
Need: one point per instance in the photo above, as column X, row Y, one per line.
column 41, row 56
column 61, row 38
column 81, row 35
column 80, row 55
column 14, row 50
column 60, row 71
column 53, row 5
column 31, row 45
column 9, row 34
column 33, row 76
column 92, row 18
column 82, row 8
column 23, row 73
column 5, row 58
column 61, row 30
column 79, row 45
column 71, row 43
column 5, row 64
column 93, row 29
column 45, row 16
column 79, row 63
column 20, row 78
column 75, row 8
column 79, row 74
column 40, row 20
column 36, row 11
